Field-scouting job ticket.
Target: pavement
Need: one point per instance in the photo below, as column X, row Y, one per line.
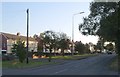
column 97, row 65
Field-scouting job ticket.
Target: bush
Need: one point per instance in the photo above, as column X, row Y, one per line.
column 20, row 50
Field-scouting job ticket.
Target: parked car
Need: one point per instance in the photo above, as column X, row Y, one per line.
column 109, row 52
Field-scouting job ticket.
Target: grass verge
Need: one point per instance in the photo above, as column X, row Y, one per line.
column 75, row 57
column 32, row 63
column 17, row 64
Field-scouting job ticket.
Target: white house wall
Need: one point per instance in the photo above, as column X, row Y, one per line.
column 9, row 45
column 32, row 45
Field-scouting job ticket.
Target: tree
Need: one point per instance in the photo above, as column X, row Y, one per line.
column 63, row 42
column 98, row 46
column 99, row 11
column 49, row 41
column 54, row 40
column 40, row 43
column 87, row 48
column 80, row 47
column 19, row 49
column 103, row 21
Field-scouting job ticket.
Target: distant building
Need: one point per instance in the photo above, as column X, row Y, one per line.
column 7, row 40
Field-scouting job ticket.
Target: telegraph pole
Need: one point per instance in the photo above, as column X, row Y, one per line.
column 27, row 61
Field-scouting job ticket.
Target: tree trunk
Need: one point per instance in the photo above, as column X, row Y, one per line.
column 54, row 52
column 50, row 55
column 62, row 51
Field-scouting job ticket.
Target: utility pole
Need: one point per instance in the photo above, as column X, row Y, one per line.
column 27, row 61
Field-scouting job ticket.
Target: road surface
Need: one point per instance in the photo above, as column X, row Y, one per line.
column 97, row 65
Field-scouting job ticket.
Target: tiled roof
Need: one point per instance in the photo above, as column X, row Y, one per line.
column 16, row 37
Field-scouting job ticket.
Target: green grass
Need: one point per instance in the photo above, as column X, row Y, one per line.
column 34, row 63
column 114, row 64
column 75, row 57
column 17, row 64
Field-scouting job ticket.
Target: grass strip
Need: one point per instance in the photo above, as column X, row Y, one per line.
column 75, row 57
column 17, row 64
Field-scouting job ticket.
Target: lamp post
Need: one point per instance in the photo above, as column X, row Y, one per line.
column 27, row 61
column 73, row 31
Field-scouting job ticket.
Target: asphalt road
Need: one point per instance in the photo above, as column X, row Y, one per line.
column 97, row 65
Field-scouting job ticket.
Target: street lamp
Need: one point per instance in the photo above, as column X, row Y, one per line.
column 73, row 30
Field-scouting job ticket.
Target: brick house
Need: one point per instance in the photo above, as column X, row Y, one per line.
column 7, row 40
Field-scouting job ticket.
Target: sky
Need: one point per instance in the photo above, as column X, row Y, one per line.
column 55, row 16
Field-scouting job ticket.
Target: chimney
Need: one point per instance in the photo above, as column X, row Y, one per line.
column 18, row 33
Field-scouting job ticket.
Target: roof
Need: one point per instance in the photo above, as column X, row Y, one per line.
column 15, row 37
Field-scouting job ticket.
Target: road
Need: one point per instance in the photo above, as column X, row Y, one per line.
column 97, row 65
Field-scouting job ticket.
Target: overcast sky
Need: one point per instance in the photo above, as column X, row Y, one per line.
column 56, row 16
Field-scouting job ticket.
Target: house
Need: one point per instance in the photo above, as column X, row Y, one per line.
column 7, row 40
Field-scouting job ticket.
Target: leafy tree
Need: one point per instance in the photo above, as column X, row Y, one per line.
column 49, row 41
column 19, row 49
column 63, row 45
column 40, row 43
column 103, row 21
column 99, row 11
column 54, row 40
column 63, row 42
column 100, row 44
column 80, row 47
column 87, row 48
